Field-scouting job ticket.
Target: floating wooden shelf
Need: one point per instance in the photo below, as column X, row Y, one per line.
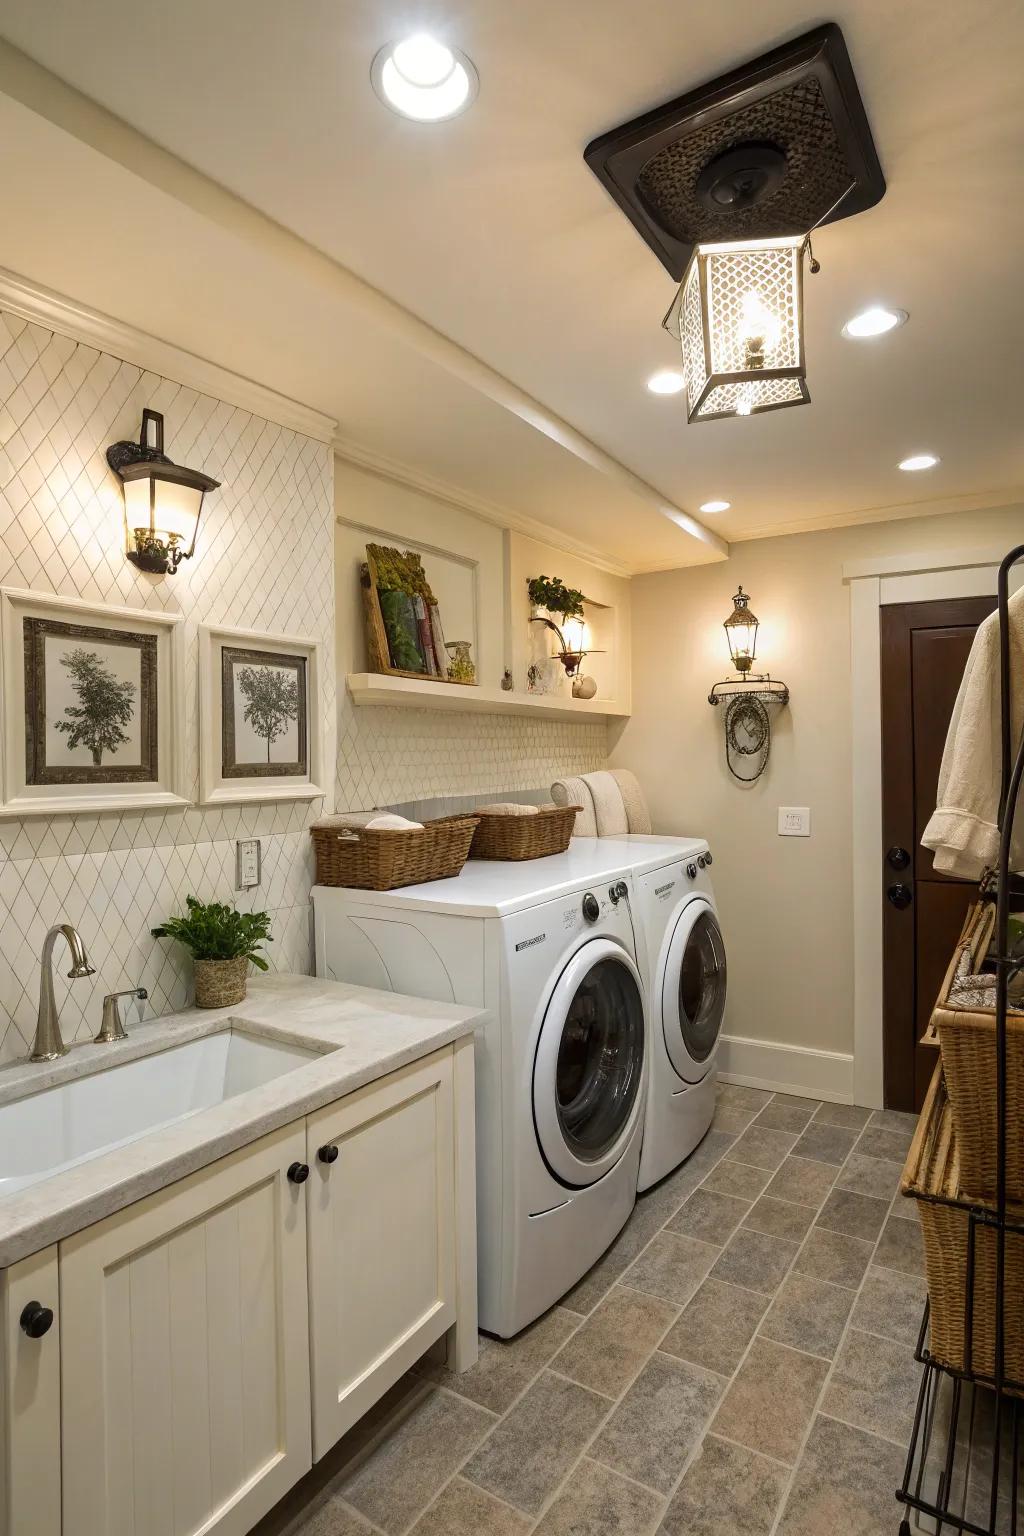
column 417, row 693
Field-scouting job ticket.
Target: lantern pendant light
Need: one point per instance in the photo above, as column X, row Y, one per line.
column 738, row 316
column 741, row 632
column 162, row 500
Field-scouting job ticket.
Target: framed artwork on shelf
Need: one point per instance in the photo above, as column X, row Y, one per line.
column 259, row 717
column 93, row 706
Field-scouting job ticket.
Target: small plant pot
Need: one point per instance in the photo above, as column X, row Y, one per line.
column 220, row 982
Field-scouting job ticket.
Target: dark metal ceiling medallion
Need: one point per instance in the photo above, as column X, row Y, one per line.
column 766, row 150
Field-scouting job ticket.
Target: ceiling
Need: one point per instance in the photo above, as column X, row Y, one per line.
column 491, row 230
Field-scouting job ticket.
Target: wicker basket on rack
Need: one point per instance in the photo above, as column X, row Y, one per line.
column 523, row 837
column 964, row 1022
column 371, row 859
column 932, row 1176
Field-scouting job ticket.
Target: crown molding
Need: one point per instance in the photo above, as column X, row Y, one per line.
column 379, row 464
column 42, row 306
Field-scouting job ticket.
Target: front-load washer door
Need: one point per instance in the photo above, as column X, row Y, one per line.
column 693, row 990
column 589, row 1066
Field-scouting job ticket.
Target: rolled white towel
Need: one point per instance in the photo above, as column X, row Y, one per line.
column 375, row 821
column 609, row 810
column 507, row 808
column 576, row 791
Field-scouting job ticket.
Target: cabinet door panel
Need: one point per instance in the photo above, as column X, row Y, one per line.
column 29, row 1402
column 381, row 1239
column 190, row 1309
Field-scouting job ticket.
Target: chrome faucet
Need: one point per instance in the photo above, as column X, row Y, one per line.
column 48, row 1043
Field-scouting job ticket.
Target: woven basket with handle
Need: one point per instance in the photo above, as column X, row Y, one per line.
column 378, row 860
column 523, row 837
column 965, row 1027
column 933, row 1173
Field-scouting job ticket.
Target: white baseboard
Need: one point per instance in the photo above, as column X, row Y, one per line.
column 786, row 1068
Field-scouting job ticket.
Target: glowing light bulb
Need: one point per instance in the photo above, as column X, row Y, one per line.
column 744, row 402
column 758, row 329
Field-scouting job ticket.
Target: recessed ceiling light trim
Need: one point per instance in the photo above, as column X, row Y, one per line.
column 877, row 320
column 918, row 461
column 715, row 506
column 424, row 80
column 667, row 381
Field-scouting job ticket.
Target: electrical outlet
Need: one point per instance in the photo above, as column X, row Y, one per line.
column 794, row 821
column 248, row 863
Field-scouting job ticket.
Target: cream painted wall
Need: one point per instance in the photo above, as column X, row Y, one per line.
column 786, row 903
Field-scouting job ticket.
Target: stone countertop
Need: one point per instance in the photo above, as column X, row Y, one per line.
column 362, row 1034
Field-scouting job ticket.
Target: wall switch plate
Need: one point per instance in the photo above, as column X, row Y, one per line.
column 248, row 863
column 794, row 821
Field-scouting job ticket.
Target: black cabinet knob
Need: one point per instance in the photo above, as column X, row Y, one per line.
column 298, row 1173
column 328, row 1153
column 591, row 907
column 898, row 857
column 36, row 1319
column 900, row 895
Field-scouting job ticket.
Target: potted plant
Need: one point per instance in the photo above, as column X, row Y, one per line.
column 222, row 941
column 551, row 593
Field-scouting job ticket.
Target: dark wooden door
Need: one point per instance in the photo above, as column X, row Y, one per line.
column 924, row 648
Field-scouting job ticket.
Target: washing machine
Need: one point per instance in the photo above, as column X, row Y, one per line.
column 681, row 953
column 548, row 948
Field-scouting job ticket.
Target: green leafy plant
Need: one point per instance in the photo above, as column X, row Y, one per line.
column 213, row 931
column 551, row 593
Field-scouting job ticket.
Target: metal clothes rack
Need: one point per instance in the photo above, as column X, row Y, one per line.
column 963, row 1470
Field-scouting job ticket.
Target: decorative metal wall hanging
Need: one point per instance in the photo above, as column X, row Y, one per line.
column 748, row 732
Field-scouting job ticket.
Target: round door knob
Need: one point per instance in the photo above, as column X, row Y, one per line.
column 591, row 907
column 691, row 870
column 898, row 857
column 328, row 1154
column 298, row 1173
column 900, row 895
column 36, row 1319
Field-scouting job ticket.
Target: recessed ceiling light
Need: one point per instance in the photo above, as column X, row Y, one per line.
column 667, row 381
column 715, row 506
column 423, row 79
column 874, row 322
column 918, row 461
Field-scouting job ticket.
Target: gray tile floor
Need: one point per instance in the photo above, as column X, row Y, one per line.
column 740, row 1362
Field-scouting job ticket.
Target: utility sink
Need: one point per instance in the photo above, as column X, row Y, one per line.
column 67, row 1124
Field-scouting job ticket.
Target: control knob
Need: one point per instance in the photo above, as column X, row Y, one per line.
column 591, row 907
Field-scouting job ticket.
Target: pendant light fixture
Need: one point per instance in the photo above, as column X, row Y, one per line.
column 162, row 500
column 739, row 319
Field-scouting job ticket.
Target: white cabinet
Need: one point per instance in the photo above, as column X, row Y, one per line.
column 184, row 1350
column 169, row 1394
column 30, row 1397
column 381, row 1239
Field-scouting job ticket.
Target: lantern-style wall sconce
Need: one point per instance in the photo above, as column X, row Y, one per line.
column 748, row 735
column 162, row 500
column 739, row 317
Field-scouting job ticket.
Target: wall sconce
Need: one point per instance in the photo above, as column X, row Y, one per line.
column 572, row 639
column 748, row 733
column 739, row 317
column 162, row 500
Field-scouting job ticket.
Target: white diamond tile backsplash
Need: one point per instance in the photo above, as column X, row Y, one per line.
column 264, row 561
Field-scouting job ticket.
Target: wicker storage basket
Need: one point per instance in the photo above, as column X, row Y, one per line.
column 965, row 1026
column 524, row 837
column 372, row 860
column 931, row 1174
column 220, row 983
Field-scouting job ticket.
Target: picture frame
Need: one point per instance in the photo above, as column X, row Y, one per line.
column 260, row 728
column 93, row 706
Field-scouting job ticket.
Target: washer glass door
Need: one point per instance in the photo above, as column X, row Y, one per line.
column 694, row 990
column 588, row 1071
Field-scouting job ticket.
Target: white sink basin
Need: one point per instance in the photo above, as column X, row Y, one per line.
column 65, row 1125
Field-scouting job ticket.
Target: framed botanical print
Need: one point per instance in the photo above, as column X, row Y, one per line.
column 259, row 700
column 93, row 711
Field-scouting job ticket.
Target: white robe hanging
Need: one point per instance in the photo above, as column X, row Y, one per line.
column 963, row 831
